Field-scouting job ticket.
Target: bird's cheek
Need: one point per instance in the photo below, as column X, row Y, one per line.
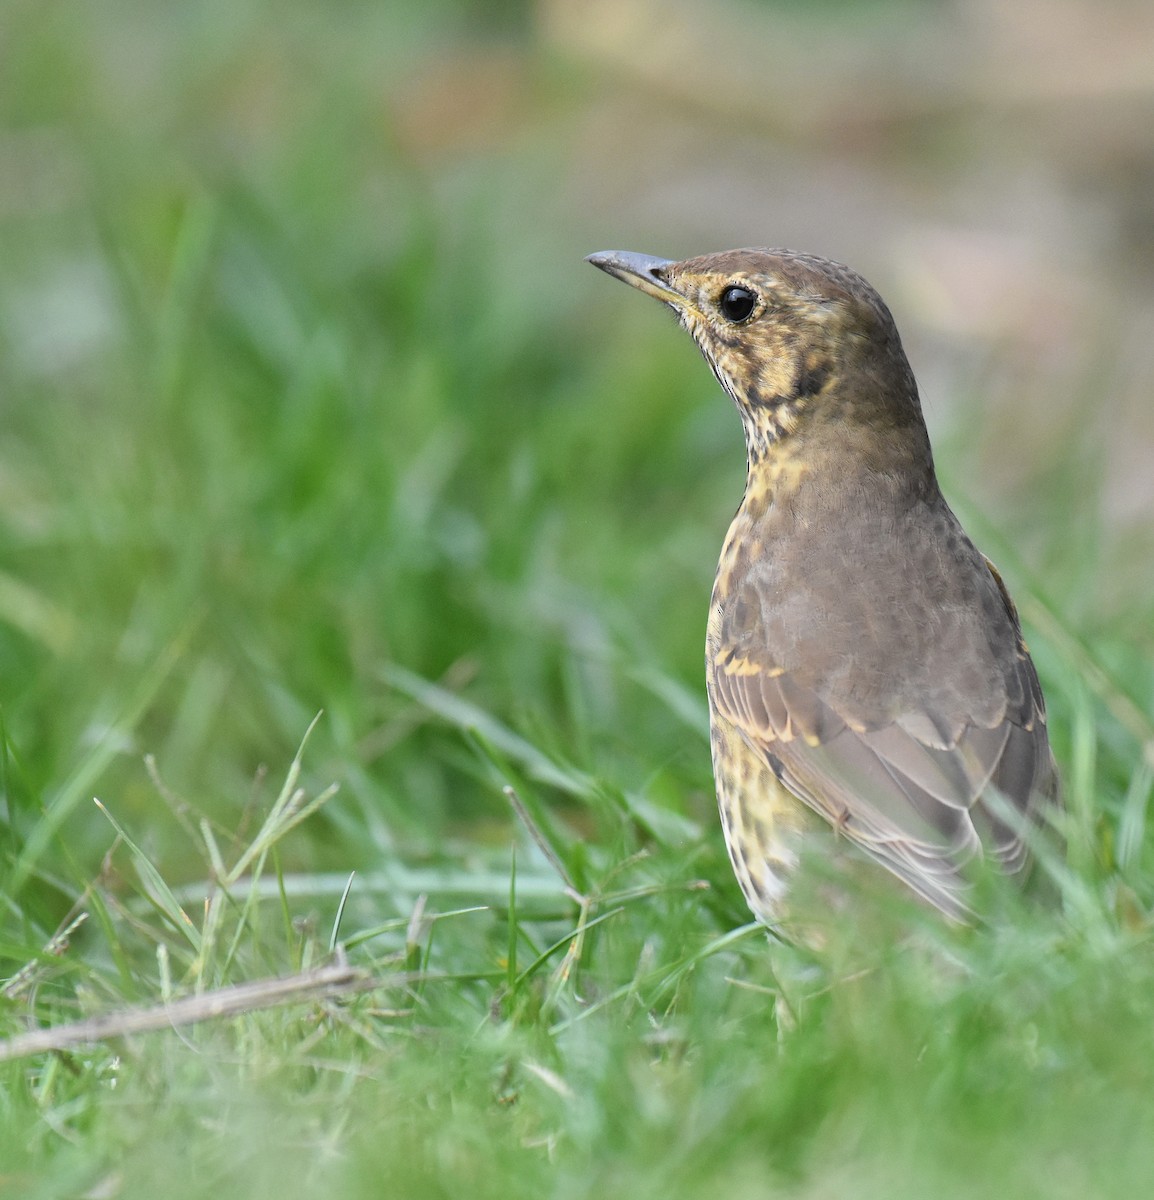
column 773, row 380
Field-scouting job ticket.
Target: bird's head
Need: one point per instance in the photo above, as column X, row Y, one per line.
column 798, row 341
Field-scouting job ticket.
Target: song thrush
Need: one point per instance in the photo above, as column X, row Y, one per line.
column 863, row 659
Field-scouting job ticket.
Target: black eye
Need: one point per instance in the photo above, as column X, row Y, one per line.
column 736, row 303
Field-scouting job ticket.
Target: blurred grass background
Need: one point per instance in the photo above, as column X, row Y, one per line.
column 310, row 404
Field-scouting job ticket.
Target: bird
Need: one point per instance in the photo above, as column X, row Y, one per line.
column 864, row 660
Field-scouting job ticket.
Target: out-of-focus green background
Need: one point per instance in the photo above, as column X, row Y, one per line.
column 309, row 403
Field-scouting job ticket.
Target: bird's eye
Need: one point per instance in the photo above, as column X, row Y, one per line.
column 737, row 303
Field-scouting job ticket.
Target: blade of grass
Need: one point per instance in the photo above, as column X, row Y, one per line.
column 340, row 912
column 155, row 886
column 467, row 716
column 83, row 779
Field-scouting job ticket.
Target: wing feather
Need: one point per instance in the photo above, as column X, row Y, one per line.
column 922, row 809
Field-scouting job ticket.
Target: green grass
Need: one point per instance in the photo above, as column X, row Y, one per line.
column 296, row 422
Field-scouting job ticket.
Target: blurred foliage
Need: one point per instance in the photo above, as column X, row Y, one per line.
column 278, row 420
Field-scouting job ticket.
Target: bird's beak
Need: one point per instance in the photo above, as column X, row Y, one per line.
column 644, row 272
